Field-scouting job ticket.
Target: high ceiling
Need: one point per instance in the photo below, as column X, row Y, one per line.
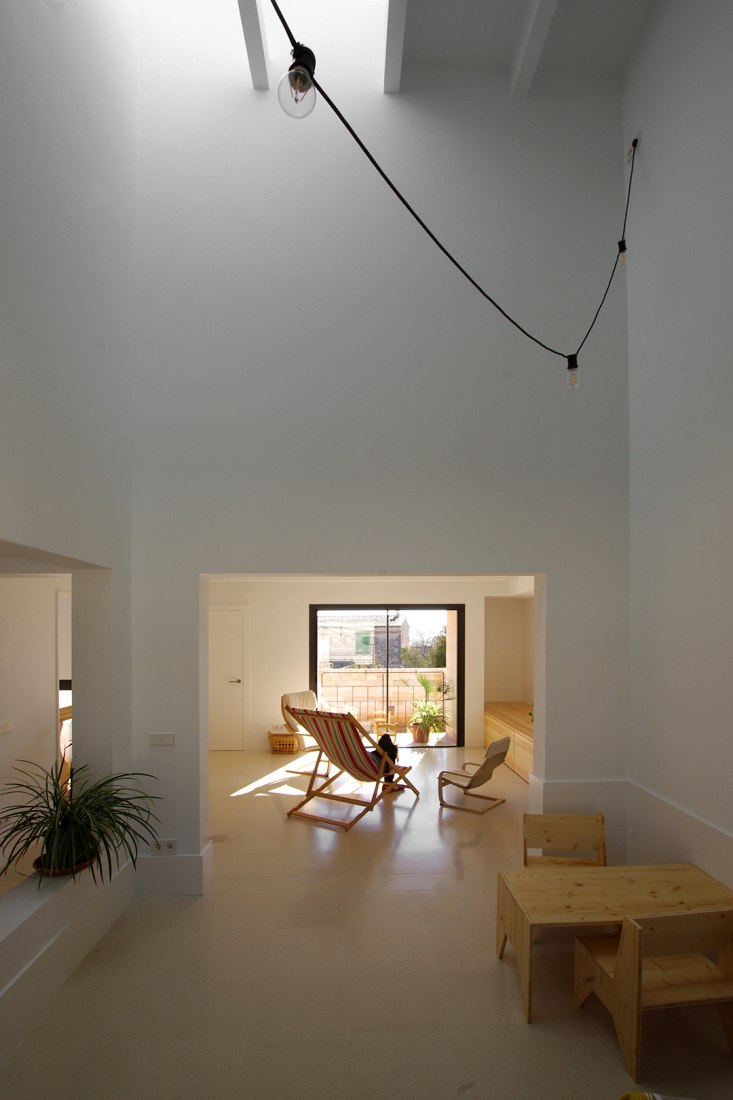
column 523, row 38
column 581, row 35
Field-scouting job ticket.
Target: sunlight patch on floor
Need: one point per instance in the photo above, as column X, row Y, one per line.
column 278, row 781
column 265, row 781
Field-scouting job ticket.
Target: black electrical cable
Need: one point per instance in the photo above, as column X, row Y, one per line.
column 571, row 359
column 281, row 17
column 423, row 226
column 621, row 249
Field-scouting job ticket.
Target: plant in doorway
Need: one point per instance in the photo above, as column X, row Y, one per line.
column 426, row 718
column 77, row 822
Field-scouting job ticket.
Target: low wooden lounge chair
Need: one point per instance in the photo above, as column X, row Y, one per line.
column 472, row 776
column 345, row 744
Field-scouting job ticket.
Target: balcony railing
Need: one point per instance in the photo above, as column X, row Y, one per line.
column 377, row 694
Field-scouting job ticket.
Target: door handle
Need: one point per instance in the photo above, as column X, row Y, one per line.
column 235, row 681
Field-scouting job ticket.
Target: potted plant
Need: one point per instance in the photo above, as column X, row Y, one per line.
column 79, row 822
column 429, row 717
column 426, row 718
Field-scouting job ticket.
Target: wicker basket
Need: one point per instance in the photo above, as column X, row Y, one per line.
column 284, row 740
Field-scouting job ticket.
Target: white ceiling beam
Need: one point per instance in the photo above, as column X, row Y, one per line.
column 536, row 26
column 396, row 14
column 254, row 40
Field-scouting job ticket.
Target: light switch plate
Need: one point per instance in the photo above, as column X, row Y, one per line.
column 161, row 739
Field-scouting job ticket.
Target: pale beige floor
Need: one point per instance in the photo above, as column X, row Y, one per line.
column 341, row 966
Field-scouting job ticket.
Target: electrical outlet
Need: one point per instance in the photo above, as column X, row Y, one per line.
column 166, row 847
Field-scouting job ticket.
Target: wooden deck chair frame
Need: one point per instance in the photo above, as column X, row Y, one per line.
column 468, row 780
column 347, row 746
column 658, row 961
column 565, row 839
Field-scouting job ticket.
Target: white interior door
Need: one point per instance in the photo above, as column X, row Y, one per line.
column 228, row 677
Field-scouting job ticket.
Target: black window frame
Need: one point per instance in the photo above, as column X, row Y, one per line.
column 459, row 608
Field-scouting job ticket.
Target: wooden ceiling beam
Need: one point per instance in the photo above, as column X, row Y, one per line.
column 396, row 16
column 254, row 40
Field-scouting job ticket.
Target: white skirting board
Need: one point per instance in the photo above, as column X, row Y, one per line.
column 641, row 826
column 175, row 875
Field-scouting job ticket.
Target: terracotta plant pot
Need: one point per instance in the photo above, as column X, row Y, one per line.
column 58, row 872
column 420, row 734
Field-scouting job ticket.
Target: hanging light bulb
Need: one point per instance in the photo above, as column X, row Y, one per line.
column 295, row 91
column 572, row 371
column 622, row 251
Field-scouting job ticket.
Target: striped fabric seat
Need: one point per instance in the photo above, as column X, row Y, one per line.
column 339, row 736
column 348, row 746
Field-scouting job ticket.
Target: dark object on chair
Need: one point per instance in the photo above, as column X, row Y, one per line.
column 467, row 781
column 385, row 744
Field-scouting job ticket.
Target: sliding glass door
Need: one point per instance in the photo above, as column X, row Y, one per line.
column 396, row 669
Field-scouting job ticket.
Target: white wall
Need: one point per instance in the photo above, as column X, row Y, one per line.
column 67, row 134
column 371, row 415
column 63, row 634
column 317, row 390
column 509, row 652
column 681, row 394
column 67, row 131
column 528, row 649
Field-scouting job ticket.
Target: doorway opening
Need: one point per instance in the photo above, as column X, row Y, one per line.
column 40, row 594
column 396, row 669
column 496, row 632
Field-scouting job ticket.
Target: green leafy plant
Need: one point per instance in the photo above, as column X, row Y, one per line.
column 429, row 716
column 432, row 685
column 428, row 686
column 78, row 822
column 444, row 688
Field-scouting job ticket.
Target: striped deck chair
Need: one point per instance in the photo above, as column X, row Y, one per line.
column 348, row 746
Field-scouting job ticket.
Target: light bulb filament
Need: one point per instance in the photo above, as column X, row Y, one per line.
column 299, row 86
